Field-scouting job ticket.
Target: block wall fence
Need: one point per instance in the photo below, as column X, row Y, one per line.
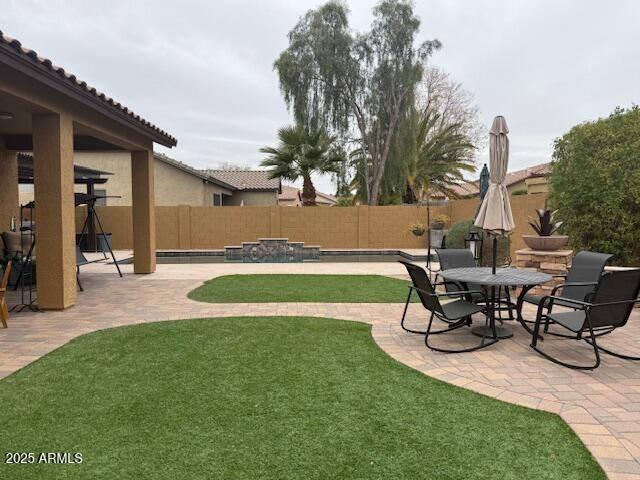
column 187, row 228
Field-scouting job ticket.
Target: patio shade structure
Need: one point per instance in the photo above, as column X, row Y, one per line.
column 50, row 112
column 495, row 215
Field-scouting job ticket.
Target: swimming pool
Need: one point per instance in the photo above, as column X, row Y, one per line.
column 346, row 256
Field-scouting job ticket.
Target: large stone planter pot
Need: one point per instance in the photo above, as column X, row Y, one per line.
column 553, row 242
column 436, row 237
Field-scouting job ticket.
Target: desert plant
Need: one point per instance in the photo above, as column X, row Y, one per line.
column 460, row 230
column 300, row 154
column 546, row 225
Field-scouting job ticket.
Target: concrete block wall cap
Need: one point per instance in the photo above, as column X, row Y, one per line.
column 552, row 253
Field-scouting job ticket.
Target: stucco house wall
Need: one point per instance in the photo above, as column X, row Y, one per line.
column 172, row 185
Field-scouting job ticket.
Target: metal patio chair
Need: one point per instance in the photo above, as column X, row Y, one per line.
column 606, row 310
column 580, row 281
column 455, row 314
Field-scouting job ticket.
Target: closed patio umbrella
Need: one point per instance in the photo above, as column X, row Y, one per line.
column 495, row 215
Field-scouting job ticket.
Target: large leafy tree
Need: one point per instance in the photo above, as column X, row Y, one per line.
column 355, row 84
column 301, row 153
column 595, row 185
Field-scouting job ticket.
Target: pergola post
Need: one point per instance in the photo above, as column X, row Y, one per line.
column 144, row 216
column 9, row 196
column 55, row 210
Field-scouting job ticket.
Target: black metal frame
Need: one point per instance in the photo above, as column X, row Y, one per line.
column 26, row 266
column 554, row 292
column 93, row 214
column 453, row 323
column 593, row 332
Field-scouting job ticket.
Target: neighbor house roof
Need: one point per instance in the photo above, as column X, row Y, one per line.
column 466, row 189
column 248, row 180
column 192, row 171
column 289, row 193
column 33, row 64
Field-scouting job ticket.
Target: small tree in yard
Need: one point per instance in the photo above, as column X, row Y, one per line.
column 595, row 185
column 301, row 153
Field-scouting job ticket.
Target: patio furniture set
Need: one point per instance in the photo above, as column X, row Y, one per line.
column 592, row 304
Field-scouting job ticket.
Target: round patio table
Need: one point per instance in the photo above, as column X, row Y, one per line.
column 504, row 277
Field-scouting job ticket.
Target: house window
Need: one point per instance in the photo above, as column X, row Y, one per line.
column 217, row 199
column 101, row 202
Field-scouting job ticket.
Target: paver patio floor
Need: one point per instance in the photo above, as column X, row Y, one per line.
column 603, row 406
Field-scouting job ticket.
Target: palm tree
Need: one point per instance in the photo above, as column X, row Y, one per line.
column 301, row 153
column 442, row 156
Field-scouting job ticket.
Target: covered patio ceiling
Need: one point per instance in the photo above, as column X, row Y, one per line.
column 81, row 175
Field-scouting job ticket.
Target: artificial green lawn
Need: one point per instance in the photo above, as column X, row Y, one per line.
column 302, row 288
column 266, row 398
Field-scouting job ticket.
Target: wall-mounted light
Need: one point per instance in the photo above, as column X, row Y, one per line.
column 6, row 116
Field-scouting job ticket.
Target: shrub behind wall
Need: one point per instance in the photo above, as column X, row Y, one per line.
column 595, row 184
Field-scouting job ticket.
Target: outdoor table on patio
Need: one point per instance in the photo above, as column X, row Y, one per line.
column 504, row 277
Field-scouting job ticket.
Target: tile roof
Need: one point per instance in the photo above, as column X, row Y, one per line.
column 193, row 171
column 256, row 180
column 293, row 193
column 46, row 66
column 289, row 193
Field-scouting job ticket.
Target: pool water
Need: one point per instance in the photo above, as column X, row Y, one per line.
column 344, row 258
column 323, row 259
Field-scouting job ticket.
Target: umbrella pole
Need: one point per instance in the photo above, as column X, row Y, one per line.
column 495, row 255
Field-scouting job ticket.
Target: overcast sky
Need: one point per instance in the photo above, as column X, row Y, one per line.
column 202, row 70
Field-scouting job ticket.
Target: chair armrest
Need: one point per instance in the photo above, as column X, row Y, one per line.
column 449, row 282
column 448, row 294
column 579, row 303
column 618, row 302
column 571, row 284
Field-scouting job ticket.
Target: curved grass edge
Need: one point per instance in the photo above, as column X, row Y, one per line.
column 550, row 416
column 302, row 288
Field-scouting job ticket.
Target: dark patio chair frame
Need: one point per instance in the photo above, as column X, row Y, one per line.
column 431, row 302
column 599, row 316
column 582, row 278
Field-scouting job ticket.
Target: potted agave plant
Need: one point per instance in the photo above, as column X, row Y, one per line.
column 545, row 227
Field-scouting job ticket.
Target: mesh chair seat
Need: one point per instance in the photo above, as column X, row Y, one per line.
column 573, row 321
column 460, row 309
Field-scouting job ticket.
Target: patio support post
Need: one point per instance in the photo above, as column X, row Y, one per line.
column 55, row 210
column 144, row 217
column 9, row 197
